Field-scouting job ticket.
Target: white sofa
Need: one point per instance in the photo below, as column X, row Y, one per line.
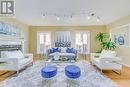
column 106, row 60
column 15, row 60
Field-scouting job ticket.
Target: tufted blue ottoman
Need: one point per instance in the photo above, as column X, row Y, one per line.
column 73, row 72
column 47, row 73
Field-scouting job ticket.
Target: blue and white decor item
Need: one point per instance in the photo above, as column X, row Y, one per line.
column 7, row 29
column 31, row 77
column 121, row 35
column 121, row 40
column 63, row 39
column 54, row 49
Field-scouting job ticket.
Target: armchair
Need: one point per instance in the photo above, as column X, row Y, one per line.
column 106, row 60
column 15, row 60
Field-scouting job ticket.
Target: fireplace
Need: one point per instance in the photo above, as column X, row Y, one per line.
column 11, row 46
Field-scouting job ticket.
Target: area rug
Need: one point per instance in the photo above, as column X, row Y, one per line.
column 31, row 77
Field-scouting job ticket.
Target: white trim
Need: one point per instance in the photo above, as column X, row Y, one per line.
column 38, row 39
column 88, row 32
column 126, row 65
column 127, row 25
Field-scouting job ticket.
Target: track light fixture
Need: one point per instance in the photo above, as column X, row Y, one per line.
column 58, row 16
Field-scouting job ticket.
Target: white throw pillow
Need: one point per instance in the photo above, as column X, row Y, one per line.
column 56, row 55
column 107, row 54
column 63, row 49
column 12, row 54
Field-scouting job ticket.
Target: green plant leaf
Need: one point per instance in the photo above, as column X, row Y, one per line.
column 109, row 45
column 101, row 36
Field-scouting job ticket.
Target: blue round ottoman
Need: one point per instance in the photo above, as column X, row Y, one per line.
column 49, row 71
column 72, row 71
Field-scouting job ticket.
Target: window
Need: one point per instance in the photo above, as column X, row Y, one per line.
column 82, row 42
column 78, row 38
column 43, row 42
column 63, row 39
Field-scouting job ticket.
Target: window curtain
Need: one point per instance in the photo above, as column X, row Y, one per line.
column 45, row 42
column 63, row 39
column 82, row 42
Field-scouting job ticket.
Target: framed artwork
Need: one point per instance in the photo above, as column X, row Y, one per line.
column 7, row 29
column 121, row 35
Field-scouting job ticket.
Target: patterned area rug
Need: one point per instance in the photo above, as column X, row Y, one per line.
column 31, row 77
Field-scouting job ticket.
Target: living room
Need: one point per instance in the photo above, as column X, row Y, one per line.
column 60, row 33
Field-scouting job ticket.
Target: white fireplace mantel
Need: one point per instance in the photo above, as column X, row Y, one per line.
column 10, row 38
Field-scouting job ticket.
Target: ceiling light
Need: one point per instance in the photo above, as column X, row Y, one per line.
column 98, row 19
column 88, row 17
column 58, row 18
column 71, row 16
column 92, row 14
column 43, row 16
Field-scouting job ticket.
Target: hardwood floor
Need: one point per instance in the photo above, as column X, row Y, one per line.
column 122, row 80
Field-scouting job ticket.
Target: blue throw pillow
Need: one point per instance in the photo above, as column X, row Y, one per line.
column 70, row 50
column 53, row 50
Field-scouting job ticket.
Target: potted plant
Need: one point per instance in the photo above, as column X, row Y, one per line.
column 101, row 37
column 109, row 45
column 105, row 42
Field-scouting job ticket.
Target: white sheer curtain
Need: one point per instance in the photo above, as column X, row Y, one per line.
column 63, row 38
column 44, row 42
column 82, row 42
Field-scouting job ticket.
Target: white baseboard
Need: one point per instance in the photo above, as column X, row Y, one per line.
column 126, row 65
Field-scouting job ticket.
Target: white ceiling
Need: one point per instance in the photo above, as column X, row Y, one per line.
column 30, row 11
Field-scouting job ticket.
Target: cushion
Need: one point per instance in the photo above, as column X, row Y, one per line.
column 53, row 50
column 70, row 50
column 49, row 71
column 62, row 54
column 63, row 49
column 67, row 54
column 107, row 54
column 12, row 54
column 24, row 61
column 51, row 55
column 72, row 71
